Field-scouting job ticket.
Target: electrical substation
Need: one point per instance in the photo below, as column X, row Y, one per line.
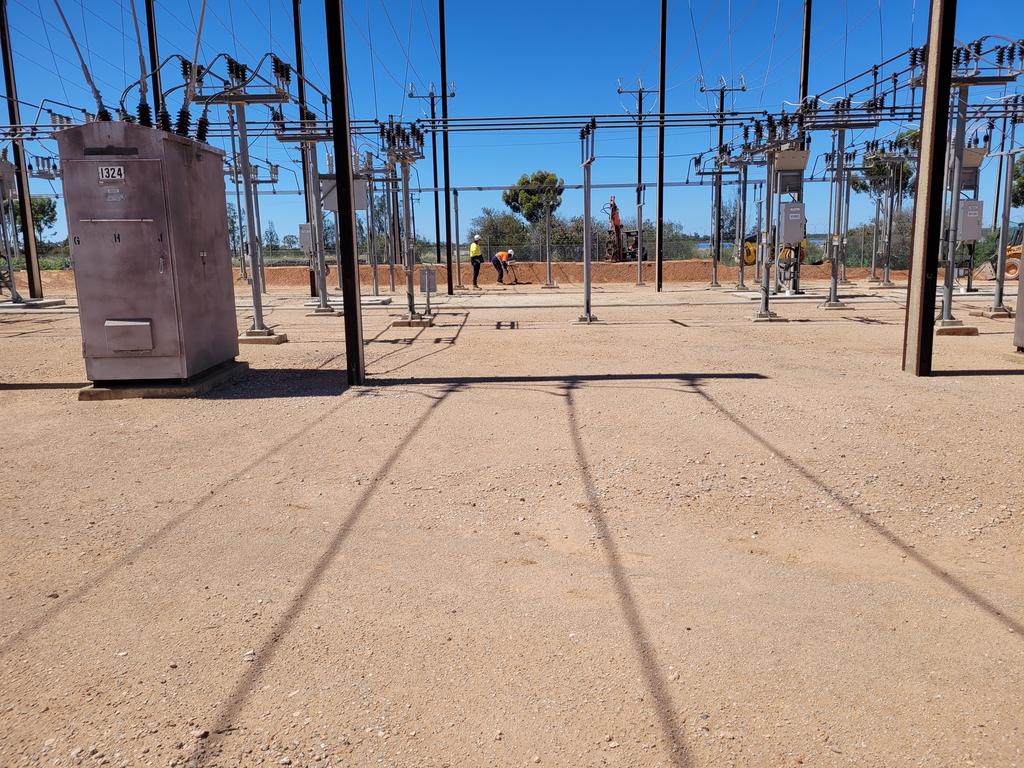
column 400, row 383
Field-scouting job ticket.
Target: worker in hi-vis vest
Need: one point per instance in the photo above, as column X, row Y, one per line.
column 476, row 258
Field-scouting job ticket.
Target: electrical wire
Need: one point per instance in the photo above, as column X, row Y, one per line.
column 771, row 52
column 85, row 70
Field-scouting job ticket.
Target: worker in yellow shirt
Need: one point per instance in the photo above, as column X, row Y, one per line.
column 476, row 258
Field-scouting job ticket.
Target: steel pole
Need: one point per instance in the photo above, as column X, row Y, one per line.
column 398, row 226
column 437, row 199
column 959, row 134
column 1004, row 229
column 547, row 248
column 741, row 227
column 639, row 187
column 410, row 259
column 759, row 212
column 300, row 73
column 890, row 222
column 28, row 231
column 764, row 312
column 805, row 53
column 928, row 214
column 317, row 229
column 242, row 271
column 154, row 57
column 458, row 240
column 716, row 231
column 443, row 55
column 873, row 276
column 659, row 226
column 250, row 220
column 844, row 241
column 259, row 234
column 354, row 361
column 999, row 173
column 371, row 225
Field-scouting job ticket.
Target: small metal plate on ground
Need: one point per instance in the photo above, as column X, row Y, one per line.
column 198, row 385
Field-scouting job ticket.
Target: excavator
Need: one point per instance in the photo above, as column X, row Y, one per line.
column 1013, row 252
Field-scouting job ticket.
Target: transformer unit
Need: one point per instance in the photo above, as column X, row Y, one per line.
column 147, row 230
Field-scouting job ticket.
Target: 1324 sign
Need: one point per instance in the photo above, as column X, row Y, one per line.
column 111, row 172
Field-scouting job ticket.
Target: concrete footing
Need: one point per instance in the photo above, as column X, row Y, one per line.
column 954, row 328
column 29, row 304
column 266, row 336
column 834, row 305
column 422, row 321
column 194, row 387
column 553, row 285
column 767, row 317
column 325, row 312
column 586, row 320
column 1003, row 313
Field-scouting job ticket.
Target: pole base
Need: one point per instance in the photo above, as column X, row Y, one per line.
column 834, row 305
column 550, row 285
column 588, row 319
column 997, row 313
column 956, row 330
column 325, row 312
column 265, row 336
column 414, row 321
column 874, row 279
column 765, row 317
column 886, row 284
column 714, row 284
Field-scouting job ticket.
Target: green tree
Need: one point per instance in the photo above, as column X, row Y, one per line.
column 1018, row 183
column 534, row 195
column 499, row 231
column 234, row 240
column 270, row 237
column 44, row 215
column 291, row 242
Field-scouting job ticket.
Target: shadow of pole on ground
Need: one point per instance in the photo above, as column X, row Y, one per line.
column 644, row 648
column 909, row 550
column 223, row 720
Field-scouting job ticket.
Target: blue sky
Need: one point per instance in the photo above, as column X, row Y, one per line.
column 527, row 57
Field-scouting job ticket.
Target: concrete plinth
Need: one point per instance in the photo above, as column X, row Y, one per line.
column 954, row 328
column 586, row 320
column 194, row 387
column 767, row 317
column 424, row 321
column 553, row 285
column 834, row 305
column 886, row 284
column 1003, row 313
column 267, row 336
column 325, row 312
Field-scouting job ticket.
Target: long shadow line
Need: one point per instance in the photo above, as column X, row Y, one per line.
column 664, row 707
column 444, row 348
column 236, row 700
column 936, row 570
column 165, row 530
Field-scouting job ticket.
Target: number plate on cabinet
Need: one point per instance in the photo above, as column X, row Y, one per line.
column 111, row 172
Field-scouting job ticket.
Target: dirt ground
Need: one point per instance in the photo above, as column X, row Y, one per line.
column 675, row 538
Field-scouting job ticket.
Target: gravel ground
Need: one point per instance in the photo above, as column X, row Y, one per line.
column 677, row 538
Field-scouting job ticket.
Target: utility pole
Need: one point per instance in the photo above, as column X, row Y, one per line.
column 28, row 231
column 355, row 364
column 432, row 97
column 805, row 53
column 587, row 158
column 918, row 340
column 442, row 34
column 659, row 227
column 639, row 92
column 300, row 72
column 716, row 215
column 404, row 146
column 154, row 57
column 839, row 175
column 999, row 309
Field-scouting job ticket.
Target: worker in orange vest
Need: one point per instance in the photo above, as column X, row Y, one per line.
column 500, row 263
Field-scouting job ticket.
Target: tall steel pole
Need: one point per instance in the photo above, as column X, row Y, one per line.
column 371, row 224
column 250, row 220
column 447, row 169
column 959, row 135
column 741, row 226
column 837, row 238
column 409, row 243
column 1004, row 228
column 928, row 212
column 659, row 226
column 766, row 244
column 587, row 160
column 805, row 52
column 28, row 231
column 300, row 76
column 458, row 250
column 437, row 201
column 354, row 361
column 243, row 271
column 716, row 236
column 154, row 57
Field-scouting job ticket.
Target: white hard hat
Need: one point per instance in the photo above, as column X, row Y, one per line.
column 511, row 252
column 476, row 238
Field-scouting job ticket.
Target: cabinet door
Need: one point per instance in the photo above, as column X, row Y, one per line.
column 117, row 233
